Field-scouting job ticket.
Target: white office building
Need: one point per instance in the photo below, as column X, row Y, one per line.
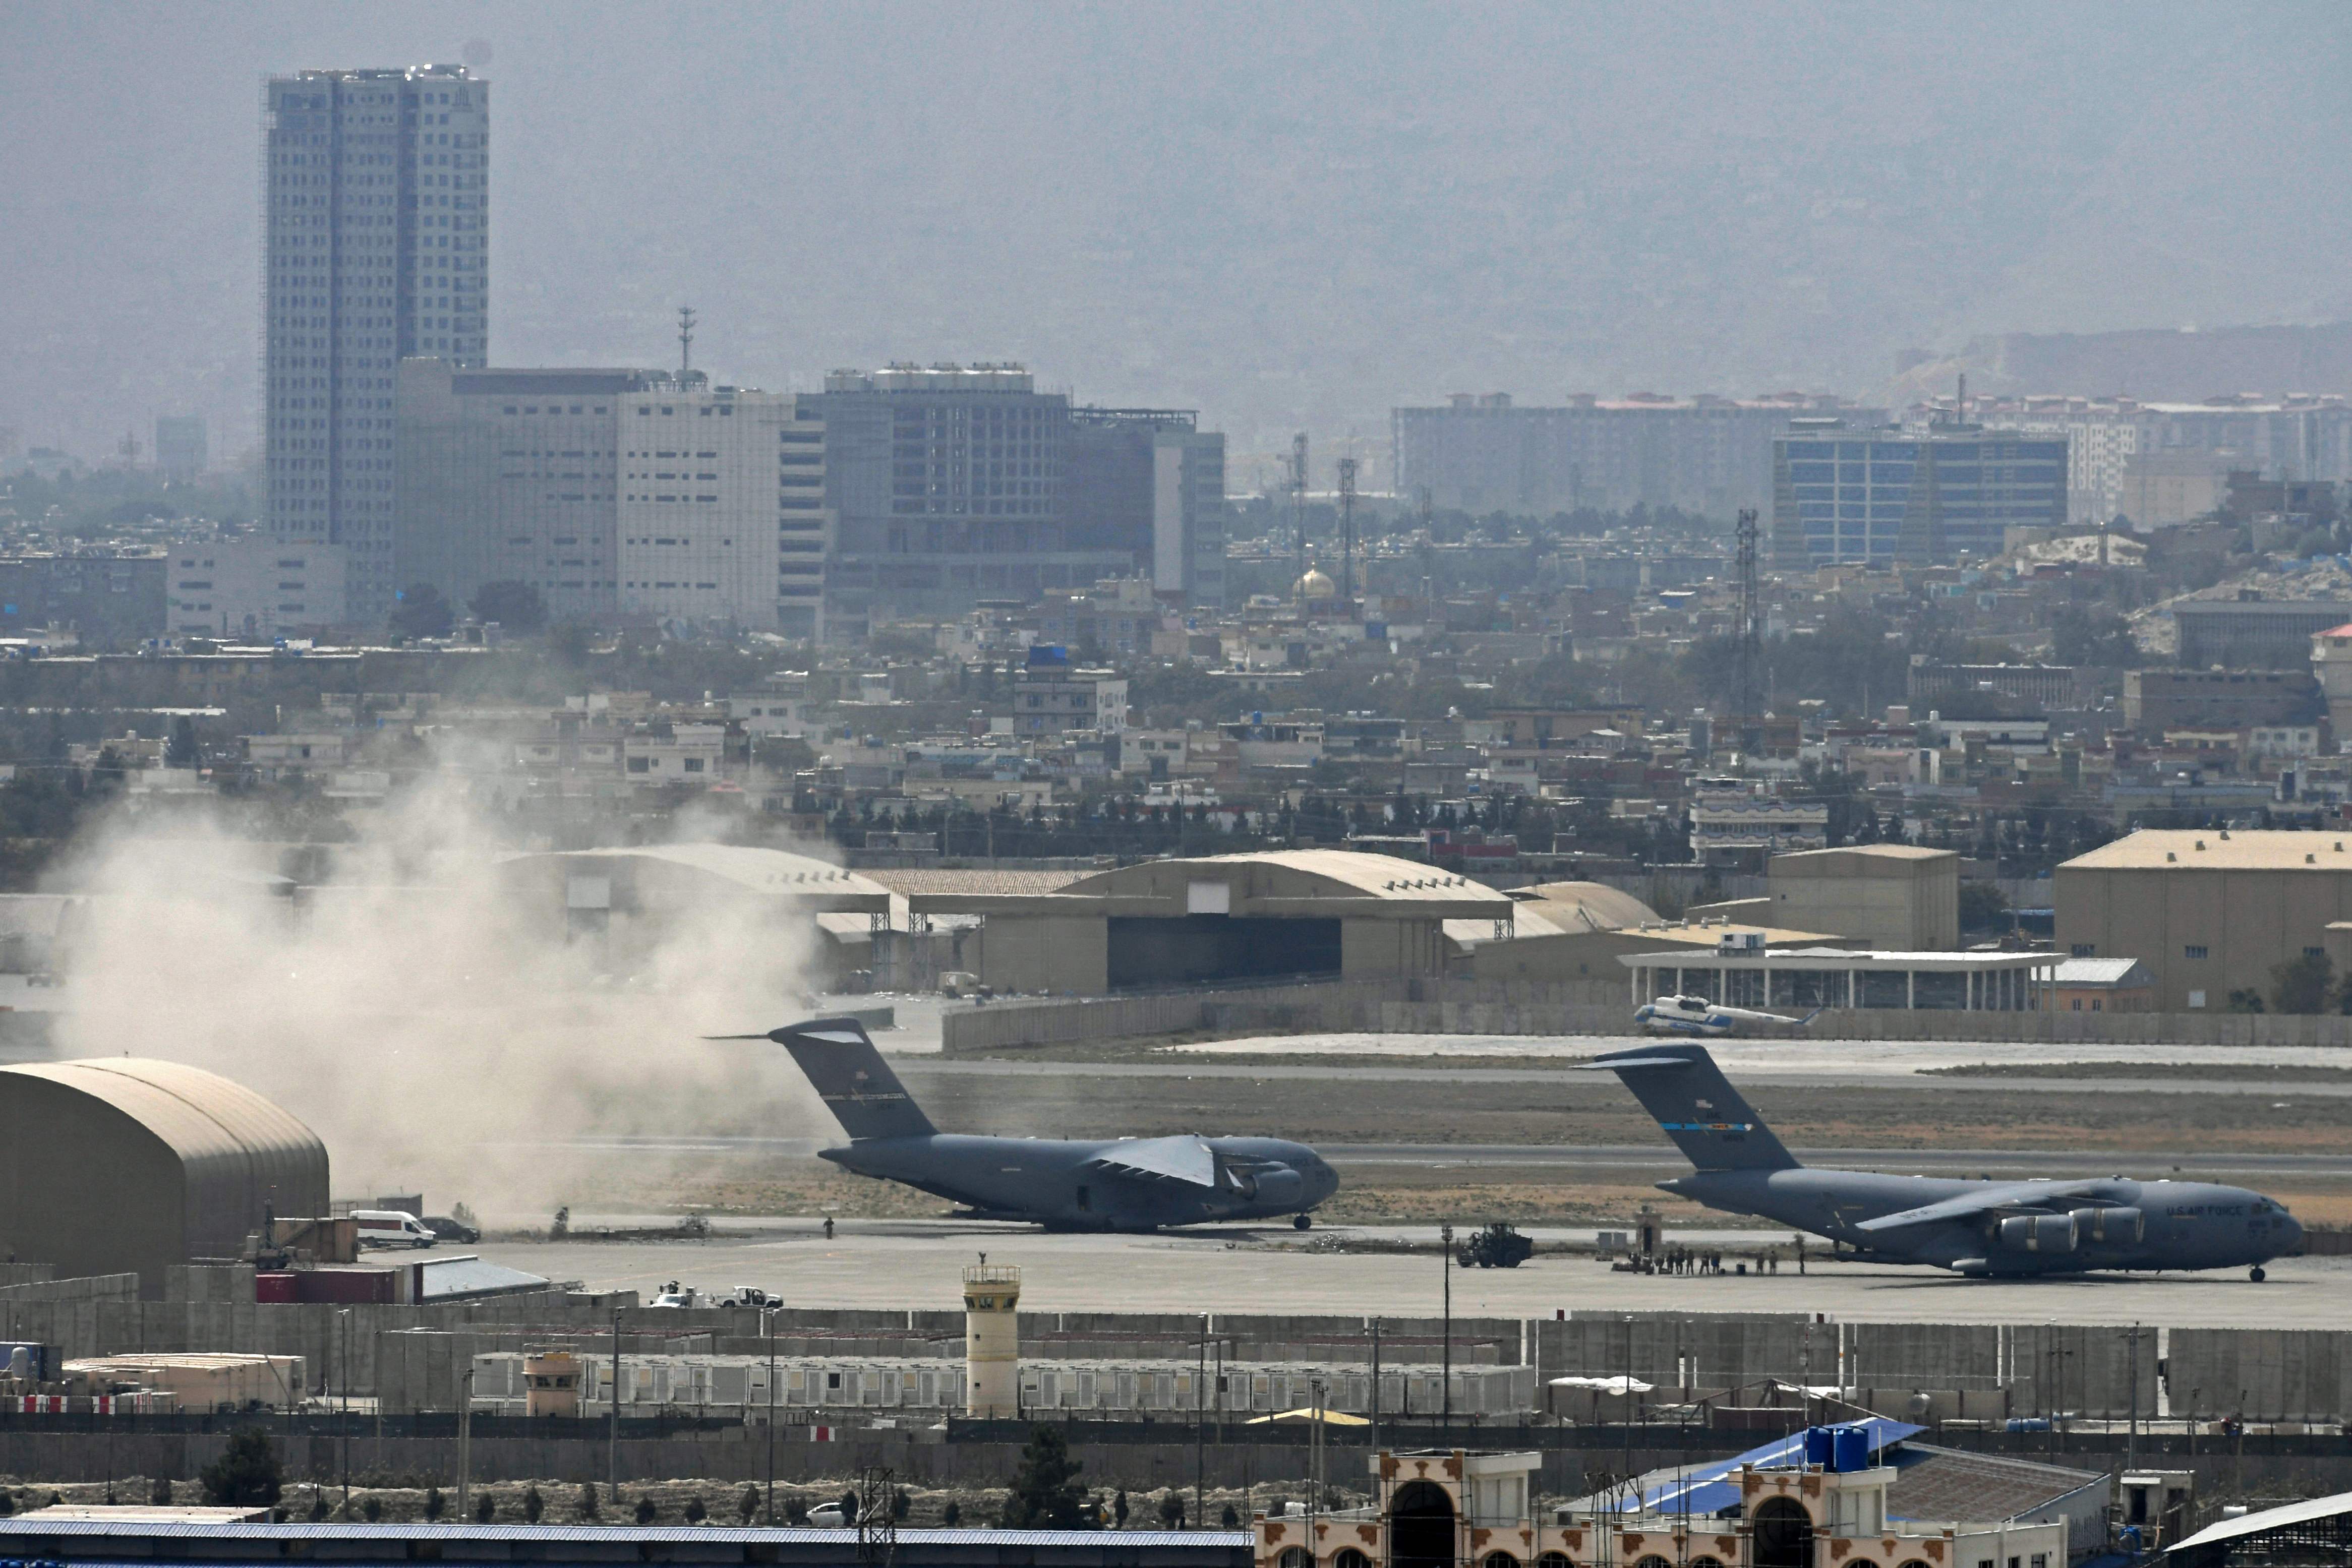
column 722, row 512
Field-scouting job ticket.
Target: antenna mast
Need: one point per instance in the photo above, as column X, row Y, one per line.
column 1346, row 531
column 685, row 339
column 1748, row 655
column 1299, row 502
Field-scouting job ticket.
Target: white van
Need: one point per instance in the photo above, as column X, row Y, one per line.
column 390, row 1228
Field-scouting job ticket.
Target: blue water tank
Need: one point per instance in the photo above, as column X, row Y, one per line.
column 1840, row 1448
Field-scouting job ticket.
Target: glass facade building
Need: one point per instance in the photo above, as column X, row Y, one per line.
column 952, row 484
column 1885, row 496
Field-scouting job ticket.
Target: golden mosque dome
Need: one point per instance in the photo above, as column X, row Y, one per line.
column 1315, row 585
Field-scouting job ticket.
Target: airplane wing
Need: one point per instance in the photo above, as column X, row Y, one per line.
column 1994, row 1196
column 1184, row 1158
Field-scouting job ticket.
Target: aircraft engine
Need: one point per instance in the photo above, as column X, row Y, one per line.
column 2039, row 1232
column 1276, row 1184
column 2123, row 1227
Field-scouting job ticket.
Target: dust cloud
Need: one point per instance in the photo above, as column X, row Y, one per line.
column 441, row 1033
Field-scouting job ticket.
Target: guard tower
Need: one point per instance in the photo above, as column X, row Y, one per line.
column 992, row 1339
column 551, row 1383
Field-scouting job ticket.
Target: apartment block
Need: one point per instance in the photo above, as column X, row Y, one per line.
column 1711, row 454
column 376, row 201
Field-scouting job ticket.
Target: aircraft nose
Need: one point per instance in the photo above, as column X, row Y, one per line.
column 2294, row 1226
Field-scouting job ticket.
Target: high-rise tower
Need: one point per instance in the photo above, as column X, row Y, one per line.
column 376, row 201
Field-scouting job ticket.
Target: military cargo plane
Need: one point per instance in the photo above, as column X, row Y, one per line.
column 1117, row 1184
column 1974, row 1228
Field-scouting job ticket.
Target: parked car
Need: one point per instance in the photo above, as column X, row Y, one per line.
column 449, row 1229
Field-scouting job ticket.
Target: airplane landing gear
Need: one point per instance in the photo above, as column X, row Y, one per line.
column 2256, row 1274
column 1299, row 1222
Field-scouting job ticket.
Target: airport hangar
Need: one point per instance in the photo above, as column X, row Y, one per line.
column 126, row 1164
column 1309, row 914
column 632, row 897
column 2207, row 911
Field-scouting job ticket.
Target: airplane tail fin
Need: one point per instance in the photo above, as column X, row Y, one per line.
column 1697, row 1107
column 850, row 1076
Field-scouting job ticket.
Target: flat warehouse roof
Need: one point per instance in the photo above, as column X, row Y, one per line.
column 1836, row 958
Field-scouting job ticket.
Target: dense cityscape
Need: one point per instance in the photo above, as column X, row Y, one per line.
column 1336, row 849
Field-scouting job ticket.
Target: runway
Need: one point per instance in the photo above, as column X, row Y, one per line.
column 1629, row 1158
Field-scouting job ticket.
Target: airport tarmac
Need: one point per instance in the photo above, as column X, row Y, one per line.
column 917, row 1263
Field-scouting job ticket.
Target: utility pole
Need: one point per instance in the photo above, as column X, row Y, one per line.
column 1346, row 531
column 769, row 1314
column 2131, row 1442
column 346, row 1379
column 685, row 341
column 1446, row 1383
column 612, row 1441
column 1376, row 1386
column 1201, row 1431
column 465, row 1445
column 1299, row 501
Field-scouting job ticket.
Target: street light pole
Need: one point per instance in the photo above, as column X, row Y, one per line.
column 769, row 1314
column 346, row 1379
column 1446, row 1394
column 612, row 1441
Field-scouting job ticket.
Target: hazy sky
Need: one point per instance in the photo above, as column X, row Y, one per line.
column 1287, row 216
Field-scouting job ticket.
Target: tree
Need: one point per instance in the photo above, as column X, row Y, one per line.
column 1119, row 1509
column 533, row 1505
column 435, row 1503
column 246, row 1474
column 182, row 750
column 1172, row 1511
column 901, row 1505
column 2301, row 985
column 319, row 1505
column 1046, row 1494
column 372, row 1509
column 951, row 1515
column 696, row 1513
column 515, row 606
column 1981, row 907
column 1230, row 1519
column 646, row 1512
column 486, row 1508
column 588, row 1500
column 422, row 612
column 747, row 1503
column 2246, row 1001
column 159, row 1495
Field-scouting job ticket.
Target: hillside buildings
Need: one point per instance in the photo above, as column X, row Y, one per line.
column 376, row 192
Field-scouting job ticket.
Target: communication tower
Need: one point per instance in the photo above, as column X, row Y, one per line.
column 685, row 339
column 1748, row 655
column 1299, row 502
column 1347, row 531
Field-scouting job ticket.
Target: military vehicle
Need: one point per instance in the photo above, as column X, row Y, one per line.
column 1496, row 1246
column 1982, row 1227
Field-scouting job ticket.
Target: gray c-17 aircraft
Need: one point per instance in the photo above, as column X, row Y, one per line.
column 1116, row 1184
column 1979, row 1229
